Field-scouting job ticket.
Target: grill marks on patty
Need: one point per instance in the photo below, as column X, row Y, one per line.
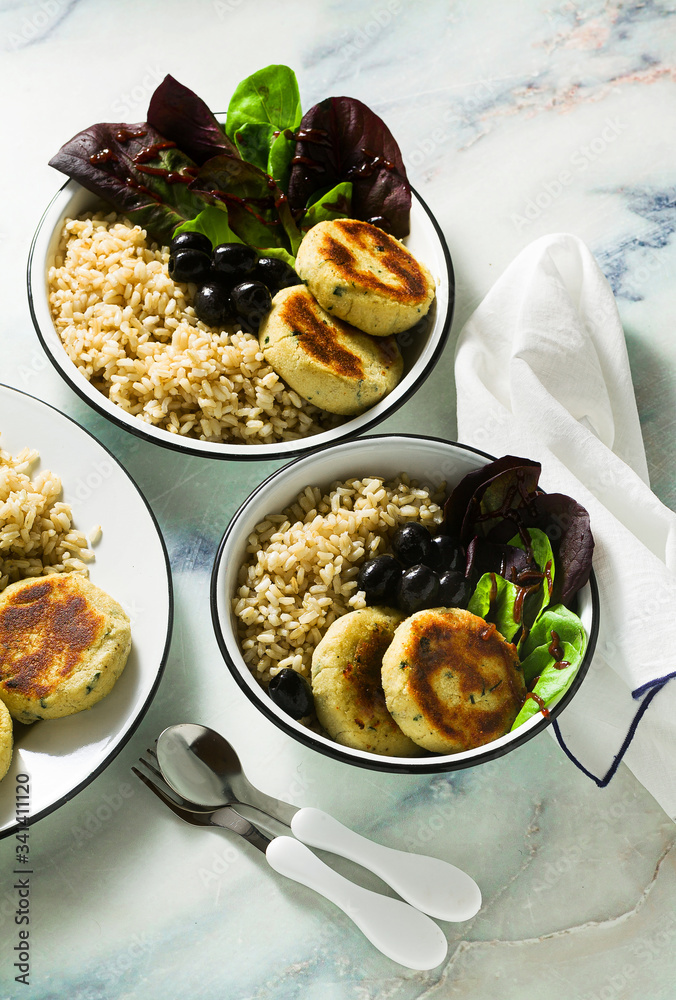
column 320, row 338
column 363, row 276
column 429, row 663
column 63, row 644
column 325, row 360
column 398, row 275
column 43, row 634
column 451, row 683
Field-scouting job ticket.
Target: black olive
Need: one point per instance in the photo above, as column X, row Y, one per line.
column 445, row 553
column 453, row 590
column 212, row 304
column 275, row 274
column 236, row 259
column 189, row 265
column 292, row 693
column 411, row 543
column 190, row 241
column 378, row 578
column 251, row 301
column 418, row 589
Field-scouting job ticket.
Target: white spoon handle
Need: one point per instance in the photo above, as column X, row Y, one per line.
column 402, row 933
column 430, row 884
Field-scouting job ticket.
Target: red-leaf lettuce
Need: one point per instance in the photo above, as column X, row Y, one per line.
column 138, row 171
column 180, row 115
column 488, row 507
column 341, row 139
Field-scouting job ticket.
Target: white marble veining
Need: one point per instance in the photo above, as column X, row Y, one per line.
column 514, row 120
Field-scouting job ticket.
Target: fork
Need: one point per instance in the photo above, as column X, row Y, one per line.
column 395, row 928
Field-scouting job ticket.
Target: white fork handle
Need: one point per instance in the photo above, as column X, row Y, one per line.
column 398, row 930
column 430, row 884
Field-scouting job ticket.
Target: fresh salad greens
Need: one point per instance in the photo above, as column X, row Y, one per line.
column 528, row 553
column 263, row 178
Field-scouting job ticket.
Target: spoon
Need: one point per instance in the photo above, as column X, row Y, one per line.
column 398, row 930
column 202, row 767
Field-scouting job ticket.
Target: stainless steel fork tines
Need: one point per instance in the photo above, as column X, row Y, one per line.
column 225, row 817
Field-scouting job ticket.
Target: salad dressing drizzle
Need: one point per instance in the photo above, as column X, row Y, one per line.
column 102, row 156
column 539, row 702
column 124, row 134
column 150, row 152
column 246, row 205
column 309, row 162
column 555, row 650
column 318, row 135
column 369, row 166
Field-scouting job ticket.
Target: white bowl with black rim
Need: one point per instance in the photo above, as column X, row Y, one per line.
column 428, row 460
column 421, row 352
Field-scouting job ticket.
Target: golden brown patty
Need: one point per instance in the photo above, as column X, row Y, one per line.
column 451, row 681
column 6, row 740
column 365, row 277
column 346, row 684
column 326, row 361
column 63, row 644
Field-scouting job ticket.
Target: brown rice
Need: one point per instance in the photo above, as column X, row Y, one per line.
column 36, row 528
column 301, row 568
column 132, row 333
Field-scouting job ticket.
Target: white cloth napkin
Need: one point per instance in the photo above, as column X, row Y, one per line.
column 542, row 373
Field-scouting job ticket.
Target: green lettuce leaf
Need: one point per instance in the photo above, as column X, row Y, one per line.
column 213, row 223
column 263, row 114
column 333, row 204
column 493, row 600
column 254, row 140
column 557, row 630
column 282, row 151
column 270, row 95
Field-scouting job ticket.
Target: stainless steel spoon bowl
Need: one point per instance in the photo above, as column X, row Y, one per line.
column 201, row 766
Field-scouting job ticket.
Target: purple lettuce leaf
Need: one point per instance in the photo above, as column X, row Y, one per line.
column 180, row 115
column 138, row 171
column 488, row 494
column 489, row 506
column 341, row 139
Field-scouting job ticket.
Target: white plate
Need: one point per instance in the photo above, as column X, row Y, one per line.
column 61, row 756
column 421, row 354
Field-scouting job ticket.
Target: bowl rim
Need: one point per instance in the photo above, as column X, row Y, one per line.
column 235, row 451
column 374, row 762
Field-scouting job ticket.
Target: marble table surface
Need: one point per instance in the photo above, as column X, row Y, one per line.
column 514, row 120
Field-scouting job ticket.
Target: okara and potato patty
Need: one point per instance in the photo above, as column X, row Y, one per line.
column 63, row 644
column 362, row 275
column 451, row 681
column 326, row 361
column 6, row 740
column 348, row 693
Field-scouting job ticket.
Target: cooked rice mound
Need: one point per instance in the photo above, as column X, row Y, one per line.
column 301, row 566
column 130, row 330
column 36, row 528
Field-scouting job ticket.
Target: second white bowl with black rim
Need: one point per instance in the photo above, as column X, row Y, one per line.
column 428, row 460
